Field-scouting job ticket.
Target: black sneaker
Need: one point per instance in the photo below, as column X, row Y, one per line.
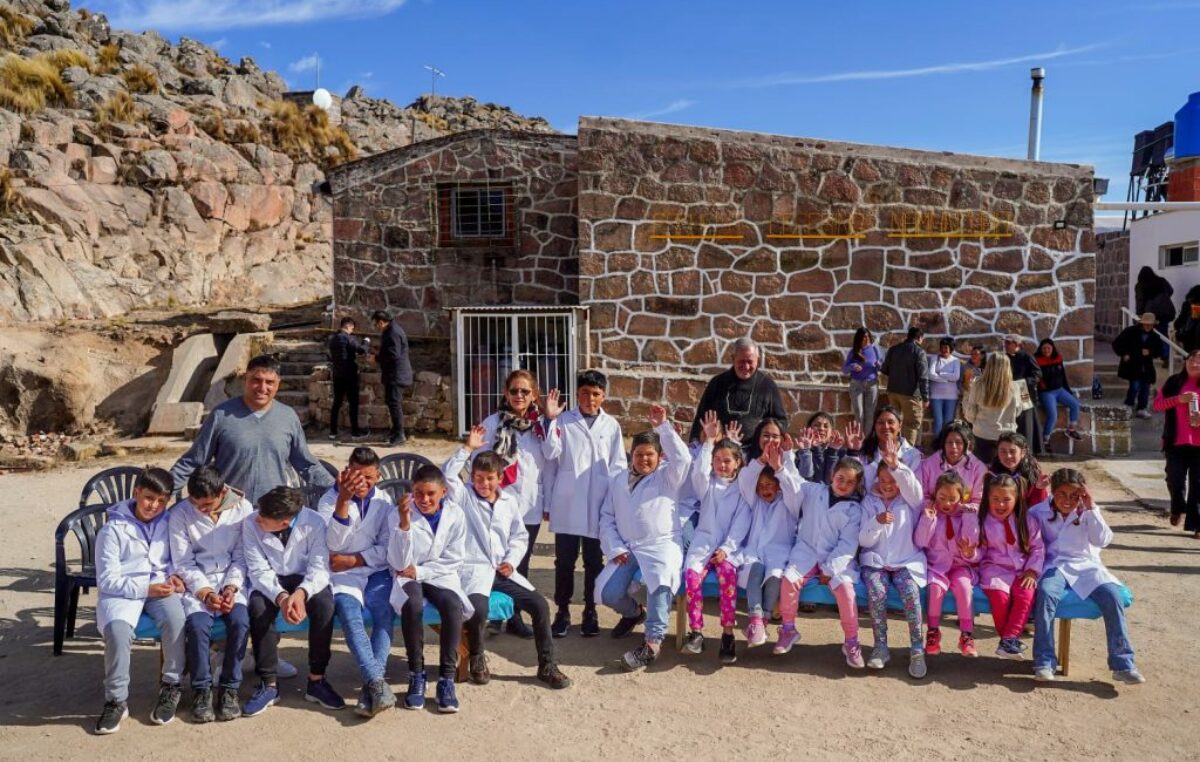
column 728, row 649
column 561, row 624
column 495, row 627
column 627, row 623
column 642, row 656
column 516, row 626
column 590, row 627
column 322, row 693
column 168, row 702
column 110, row 718
column 202, row 705
column 228, row 707
column 477, row 670
column 694, row 642
column 551, row 675
column 396, row 440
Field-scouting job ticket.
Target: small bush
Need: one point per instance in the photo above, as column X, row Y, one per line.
column 214, row 126
column 433, row 120
column 28, row 85
column 245, row 132
column 65, row 59
column 109, row 59
column 141, row 79
column 117, row 108
column 14, row 27
column 10, row 200
column 307, row 135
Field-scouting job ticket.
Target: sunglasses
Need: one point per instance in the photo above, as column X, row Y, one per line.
column 521, row 392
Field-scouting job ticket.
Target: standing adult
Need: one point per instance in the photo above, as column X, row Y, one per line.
column 395, row 371
column 862, row 366
column 1152, row 293
column 252, row 439
column 1187, row 322
column 991, row 406
column 945, row 370
column 908, row 383
column 1026, row 370
column 973, row 368
column 1179, row 399
column 344, row 350
column 742, row 394
column 1138, row 346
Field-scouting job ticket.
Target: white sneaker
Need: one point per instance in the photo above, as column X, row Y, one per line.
column 1129, row 676
column 1143, row 414
column 1044, row 675
column 916, row 666
column 880, row 656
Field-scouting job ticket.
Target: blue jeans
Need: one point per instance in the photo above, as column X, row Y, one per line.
column 371, row 654
column 198, row 632
column 1051, row 401
column 943, row 413
column 1139, row 391
column 1050, row 590
column 616, row 596
column 761, row 596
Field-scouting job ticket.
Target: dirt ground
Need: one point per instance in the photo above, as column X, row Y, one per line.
column 807, row 704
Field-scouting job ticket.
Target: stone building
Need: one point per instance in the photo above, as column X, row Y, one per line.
column 679, row 240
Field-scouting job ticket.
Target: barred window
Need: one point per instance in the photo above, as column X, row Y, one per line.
column 475, row 214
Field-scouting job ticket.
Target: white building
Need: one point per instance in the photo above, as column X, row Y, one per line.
column 1169, row 243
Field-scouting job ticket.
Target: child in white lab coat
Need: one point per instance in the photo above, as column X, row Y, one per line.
column 584, row 451
column 775, row 514
column 359, row 520
column 426, row 553
column 1074, row 531
column 719, row 536
column 206, row 551
column 639, row 531
column 133, row 574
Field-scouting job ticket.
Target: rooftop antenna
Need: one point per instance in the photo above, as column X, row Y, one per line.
column 1034, row 152
column 434, row 73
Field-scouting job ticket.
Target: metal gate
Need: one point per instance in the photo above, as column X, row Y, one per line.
column 490, row 343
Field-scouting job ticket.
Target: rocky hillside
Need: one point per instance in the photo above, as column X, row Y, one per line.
column 142, row 173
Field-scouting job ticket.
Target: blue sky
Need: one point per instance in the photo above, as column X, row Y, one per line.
column 937, row 75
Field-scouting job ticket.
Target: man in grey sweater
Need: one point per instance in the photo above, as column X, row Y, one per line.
column 907, row 371
column 252, row 439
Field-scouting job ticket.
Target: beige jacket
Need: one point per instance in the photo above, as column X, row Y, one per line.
column 989, row 422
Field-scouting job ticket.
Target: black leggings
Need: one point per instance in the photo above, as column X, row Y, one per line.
column 265, row 638
column 533, row 530
column 449, row 607
column 1183, row 483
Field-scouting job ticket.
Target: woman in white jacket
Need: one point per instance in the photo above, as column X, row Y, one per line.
column 206, row 551
column 133, row 574
column 992, row 405
column 639, row 532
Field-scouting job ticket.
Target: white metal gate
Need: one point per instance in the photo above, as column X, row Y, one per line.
column 490, row 343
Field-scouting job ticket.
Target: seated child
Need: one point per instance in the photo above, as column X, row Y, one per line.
column 1013, row 554
column 775, row 514
column 359, row 523
column 426, row 553
column 206, row 550
column 719, row 536
column 1074, row 531
column 948, row 532
column 888, row 553
column 818, row 449
column 638, row 530
column 954, row 453
column 496, row 541
column 133, row 574
column 288, row 564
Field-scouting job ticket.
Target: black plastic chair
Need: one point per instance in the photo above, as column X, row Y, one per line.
column 313, row 494
column 396, row 488
column 401, row 465
column 109, row 486
column 294, row 479
column 84, row 523
column 329, row 468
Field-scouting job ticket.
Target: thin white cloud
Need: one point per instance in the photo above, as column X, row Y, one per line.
column 264, row 44
column 308, row 63
column 218, row 44
column 670, row 108
column 776, row 80
column 208, row 15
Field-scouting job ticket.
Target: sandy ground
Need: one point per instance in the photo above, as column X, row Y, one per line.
column 807, row 704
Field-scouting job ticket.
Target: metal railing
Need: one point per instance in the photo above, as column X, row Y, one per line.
column 1176, row 350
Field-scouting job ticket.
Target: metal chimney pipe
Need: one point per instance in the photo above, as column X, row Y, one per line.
column 1037, row 74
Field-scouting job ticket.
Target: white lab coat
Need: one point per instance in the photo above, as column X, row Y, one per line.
column 724, row 516
column 366, row 536
column 208, row 555
column 438, row 558
column 642, row 521
column 688, row 504
column 496, row 532
column 581, row 463
column 891, row 546
column 908, row 455
column 773, row 525
column 1075, row 550
column 130, row 556
column 531, row 464
column 826, row 538
column 306, row 553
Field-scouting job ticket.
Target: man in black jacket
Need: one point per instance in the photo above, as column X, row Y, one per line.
column 395, row 370
column 907, row 371
column 1138, row 346
column 344, row 349
column 1025, row 368
column 743, row 394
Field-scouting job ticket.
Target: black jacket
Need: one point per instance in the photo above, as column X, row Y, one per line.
column 1025, row 368
column 344, row 350
column 1131, row 342
column 393, row 356
column 746, row 402
column 907, row 370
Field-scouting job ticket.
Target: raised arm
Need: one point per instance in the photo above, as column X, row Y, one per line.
column 452, row 470
column 701, row 474
column 679, row 460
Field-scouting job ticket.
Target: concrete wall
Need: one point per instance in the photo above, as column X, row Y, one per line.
column 1113, row 288
column 1147, row 234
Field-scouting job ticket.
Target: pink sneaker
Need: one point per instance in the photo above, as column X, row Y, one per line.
column 756, row 632
column 853, row 654
column 788, row 637
column 966, row 644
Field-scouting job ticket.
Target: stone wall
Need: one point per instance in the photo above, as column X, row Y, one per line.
column 690, row 238
column 1112, row 282
column 428, row 404
column 390, row 251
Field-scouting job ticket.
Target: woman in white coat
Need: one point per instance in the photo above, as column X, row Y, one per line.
column 866, row 446
column 427, row 552
column 639, row 532
column 1074, row 531
column 133, row 574
column 206, row 551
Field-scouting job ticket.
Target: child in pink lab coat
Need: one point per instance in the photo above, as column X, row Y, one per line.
column 948, row 532
column 1013, row 554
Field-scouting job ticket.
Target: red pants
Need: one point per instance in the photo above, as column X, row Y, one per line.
column 1010, row 611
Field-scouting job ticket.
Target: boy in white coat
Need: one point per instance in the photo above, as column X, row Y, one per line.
column 639, row 531
column 359, row 523
column 496, row 541
column 584, row 451
column 426, row 553
column 206, row 551
column 133, row 574
column 288, row 564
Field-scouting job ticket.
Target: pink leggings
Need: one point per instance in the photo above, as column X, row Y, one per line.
column 960, row 583
column 1010, row 610
column 727, row 581
column 789, row 601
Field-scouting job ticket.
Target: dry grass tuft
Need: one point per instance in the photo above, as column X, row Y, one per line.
column 307, row 135
column 109, row 58
column 65, row 59
column 141, row 79
column 10, row 200
column 117, row 108
column 28, row 85
column 14, row 27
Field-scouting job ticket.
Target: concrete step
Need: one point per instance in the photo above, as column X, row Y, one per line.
column 287, row 346
column 293, row 398
column 298, row 383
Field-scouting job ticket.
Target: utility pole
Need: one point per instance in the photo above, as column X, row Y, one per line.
column 434, row 73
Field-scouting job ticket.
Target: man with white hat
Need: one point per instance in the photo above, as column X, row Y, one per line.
column 1137, row 346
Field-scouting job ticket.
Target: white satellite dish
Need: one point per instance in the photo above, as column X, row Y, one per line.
column 322, row 99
